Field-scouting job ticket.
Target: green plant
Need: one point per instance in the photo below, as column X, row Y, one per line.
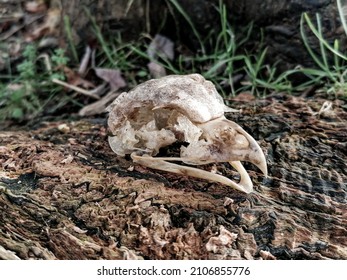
column 330, row 61
column 227, row 59
column 259, row 83
column 189, row 21
column 20, row 97
column 342, row 14
column 68, row 31
column 30, row 90
column 221, row 58
column 117, row 53
column 59, row 60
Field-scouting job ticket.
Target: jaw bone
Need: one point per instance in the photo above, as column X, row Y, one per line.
column 161, row 163
column 222, row 141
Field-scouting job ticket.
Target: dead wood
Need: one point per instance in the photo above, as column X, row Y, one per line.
column 65, row 195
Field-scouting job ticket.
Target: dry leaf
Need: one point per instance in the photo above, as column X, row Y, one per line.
column 99, row 106
column 112, row 76
column 161, row 46
column 156, row 70
column 73, row 78
column 49, row 26
column 85, row 61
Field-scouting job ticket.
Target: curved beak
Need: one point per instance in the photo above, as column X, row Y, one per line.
column 255, row 153
column 232, row 143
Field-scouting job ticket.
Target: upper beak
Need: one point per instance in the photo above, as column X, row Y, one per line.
column 255, row 154
column 233, row 143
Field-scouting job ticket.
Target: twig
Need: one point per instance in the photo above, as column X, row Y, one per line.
column 77, row 89
column 16, row 29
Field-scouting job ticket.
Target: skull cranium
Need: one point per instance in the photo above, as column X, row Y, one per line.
column 182, row 108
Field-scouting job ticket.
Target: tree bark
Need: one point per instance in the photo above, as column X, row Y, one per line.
column 65, row 195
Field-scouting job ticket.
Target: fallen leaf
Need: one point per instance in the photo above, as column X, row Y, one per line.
column 161, row 46
column 85, row 61
column 218, row 244
column 49, row 26
column 112, row 76
column 156, row 70
column 73, row 78
column 99, row 106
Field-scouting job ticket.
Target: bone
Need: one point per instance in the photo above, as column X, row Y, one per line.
column 177, row 109
column 159, row 163
column 245, row 181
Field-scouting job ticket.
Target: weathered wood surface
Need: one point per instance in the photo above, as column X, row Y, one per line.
column 65, row 195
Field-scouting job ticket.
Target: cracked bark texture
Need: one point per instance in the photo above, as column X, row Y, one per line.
column 65, row 195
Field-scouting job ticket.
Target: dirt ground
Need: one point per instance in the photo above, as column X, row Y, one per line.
column 65, row 195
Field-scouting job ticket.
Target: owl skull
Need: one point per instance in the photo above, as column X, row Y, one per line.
column 184, row 109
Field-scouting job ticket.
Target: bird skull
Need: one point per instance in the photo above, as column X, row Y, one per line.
column 184, row 109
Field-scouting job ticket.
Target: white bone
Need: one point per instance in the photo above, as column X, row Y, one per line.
column 182, row 108
column 161, row 164
column 245, row 181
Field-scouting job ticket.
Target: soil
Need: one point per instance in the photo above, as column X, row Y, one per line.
column 65, row 195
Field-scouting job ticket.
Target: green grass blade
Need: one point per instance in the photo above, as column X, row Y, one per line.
column 187, row 18
column 68, row 31
column 100, row 38
column 340, row 9
column 337, row 60
column 319, row 36
column 321, row 45
column 305, row 40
